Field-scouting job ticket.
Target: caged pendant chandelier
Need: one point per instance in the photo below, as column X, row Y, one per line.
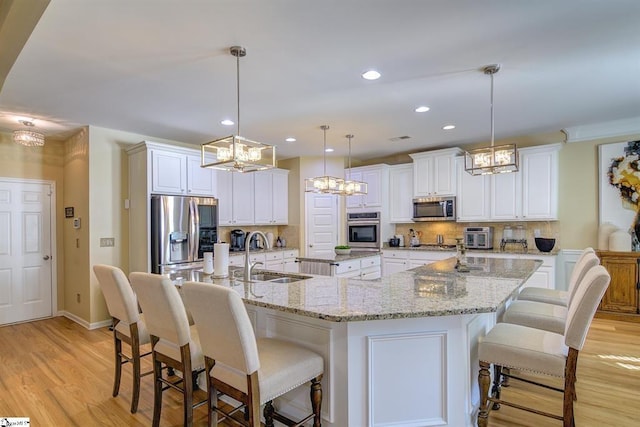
column 351, row 187
column 324, row 184
column 235, row 153
column 492, row 160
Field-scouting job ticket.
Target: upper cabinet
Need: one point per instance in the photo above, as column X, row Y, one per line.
column 235, row 198
column 401, row 193
column 377, row 179
column 178, row 171
column 271, row 196
column 434, row 172
column 531, row 194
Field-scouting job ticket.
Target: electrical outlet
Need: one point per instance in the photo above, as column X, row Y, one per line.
column 107, row 242
column 536, row 232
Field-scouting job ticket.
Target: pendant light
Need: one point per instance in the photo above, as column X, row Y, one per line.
column 235, row 153
column 324, row 184
column 492, row 160
column 28, row 137
column 351, row 187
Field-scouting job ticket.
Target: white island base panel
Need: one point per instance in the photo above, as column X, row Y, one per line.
column 395, row 372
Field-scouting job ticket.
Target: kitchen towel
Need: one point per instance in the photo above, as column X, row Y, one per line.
column 221, row 260
column 207, row 265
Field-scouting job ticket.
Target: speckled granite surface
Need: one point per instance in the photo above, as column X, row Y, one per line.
column 436, row 289
column 471, row 252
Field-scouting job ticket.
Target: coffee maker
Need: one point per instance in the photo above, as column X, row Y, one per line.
column 238, row 238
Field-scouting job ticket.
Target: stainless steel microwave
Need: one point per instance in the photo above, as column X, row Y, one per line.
column 434, row 209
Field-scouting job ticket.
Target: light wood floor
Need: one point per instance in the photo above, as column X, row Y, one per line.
column 60, row 374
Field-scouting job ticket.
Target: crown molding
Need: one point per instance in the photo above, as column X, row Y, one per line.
column 615, row 128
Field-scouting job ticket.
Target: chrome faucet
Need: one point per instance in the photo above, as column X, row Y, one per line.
column 248, row 266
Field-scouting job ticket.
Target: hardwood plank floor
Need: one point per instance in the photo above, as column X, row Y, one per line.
column 58, row 373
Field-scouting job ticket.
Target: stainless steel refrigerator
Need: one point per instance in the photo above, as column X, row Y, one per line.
column 182, row 229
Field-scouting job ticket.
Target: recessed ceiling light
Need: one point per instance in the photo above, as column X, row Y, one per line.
column 371, row 75
column 290, row 139
column 329, row 150
column 422, row 109
column 227, row 122
column 448, row 127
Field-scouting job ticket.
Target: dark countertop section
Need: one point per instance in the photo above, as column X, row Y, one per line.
column 338, row 258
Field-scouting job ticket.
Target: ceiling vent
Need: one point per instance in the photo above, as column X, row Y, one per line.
column 399, row 138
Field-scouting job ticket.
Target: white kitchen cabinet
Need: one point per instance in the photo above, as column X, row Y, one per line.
column 473, row 201
column 420, row 258
column 543, row 277
column 350, row 268
column 289, row 261
column 401, row 193
column 271, row 197
column 377, row 179
column 236, row 260
column 398, row 260
column 235, row 198
column 367, row 268
column 531, row 194
column 177, row 171
column 434, row 172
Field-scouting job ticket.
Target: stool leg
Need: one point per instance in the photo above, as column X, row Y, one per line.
column 117, row 345
column 316, row 400
column 505, row 380
column 135, row 356
column 268, row 414
column 157, row 391
column 495, row 390
column 484, row 380
column 569, row 388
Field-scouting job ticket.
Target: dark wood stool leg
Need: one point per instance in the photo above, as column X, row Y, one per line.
column 316, row 400
column 187, row 381
column 117, row 345
column 484, row 381
column 505, row 380
column 157, row 391
column 569, row 388
column 495, row 390
column 268, row 414
column 135, row 356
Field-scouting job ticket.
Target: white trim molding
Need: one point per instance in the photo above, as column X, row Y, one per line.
column 82, row 322
column 621, row 128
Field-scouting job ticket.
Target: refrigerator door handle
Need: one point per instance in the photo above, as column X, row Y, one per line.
column 194, row 230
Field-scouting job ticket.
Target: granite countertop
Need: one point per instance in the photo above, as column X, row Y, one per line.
column 262, row 250
column 435, row 289
column 335, row 259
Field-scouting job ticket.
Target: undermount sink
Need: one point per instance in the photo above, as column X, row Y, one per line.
column 278, row 278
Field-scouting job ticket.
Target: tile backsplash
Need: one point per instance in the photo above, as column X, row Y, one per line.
column 452, row 230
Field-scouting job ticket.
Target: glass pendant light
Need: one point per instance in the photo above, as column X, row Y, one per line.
column 235, row 153
column 28, row 137
column 492, row 159
column 351, row 187
column 324, row 184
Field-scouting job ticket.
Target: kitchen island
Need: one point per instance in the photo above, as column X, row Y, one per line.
column 400, row 350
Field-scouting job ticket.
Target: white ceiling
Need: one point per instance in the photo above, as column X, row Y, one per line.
column 162, row 68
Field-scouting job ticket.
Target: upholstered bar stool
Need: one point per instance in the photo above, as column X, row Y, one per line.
column 558, row 297
column 253, row 372
column 550, row 317
column 128, row 325
column 537, row 351
column 174, row 343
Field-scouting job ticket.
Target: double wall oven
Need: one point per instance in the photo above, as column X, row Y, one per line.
column 363, row 231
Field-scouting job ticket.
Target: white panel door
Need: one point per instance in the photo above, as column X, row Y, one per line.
column 25, row 251
column 321, row 219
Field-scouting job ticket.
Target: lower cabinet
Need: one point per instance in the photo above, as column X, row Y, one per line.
column 622, row 295
column 284, row 261
column 367, row 268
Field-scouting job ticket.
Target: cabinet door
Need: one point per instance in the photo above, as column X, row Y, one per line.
column 473, row 195
column 506, row 197
column 280, row 192
column 291, row 266
column 200, row 181
column 225, row 197
column 539, row 184
column 393, row 265
column 444, row 177
column 263, row 197
column 168, row 172
column 543, row 277
column 354, row 201
column 401, row 193
column 243, row 201
column 622, row 294
column 373, row 198
column 423, row 177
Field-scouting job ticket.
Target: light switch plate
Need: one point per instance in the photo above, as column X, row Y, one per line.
column 106, row 242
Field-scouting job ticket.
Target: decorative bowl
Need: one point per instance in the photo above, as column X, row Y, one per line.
column 342, row 251
column 544, row 245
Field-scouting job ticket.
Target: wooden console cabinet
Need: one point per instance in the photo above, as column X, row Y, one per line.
column 621, row 300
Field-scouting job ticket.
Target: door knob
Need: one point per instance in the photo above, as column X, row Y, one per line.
column 310, row 246
column 46, row 257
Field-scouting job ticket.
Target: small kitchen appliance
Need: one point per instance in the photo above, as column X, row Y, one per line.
column 363, row 231
column 478, row 237
column 434, row 209
column 237, row 240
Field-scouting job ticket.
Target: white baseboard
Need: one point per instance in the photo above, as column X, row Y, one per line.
column 82, row 322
